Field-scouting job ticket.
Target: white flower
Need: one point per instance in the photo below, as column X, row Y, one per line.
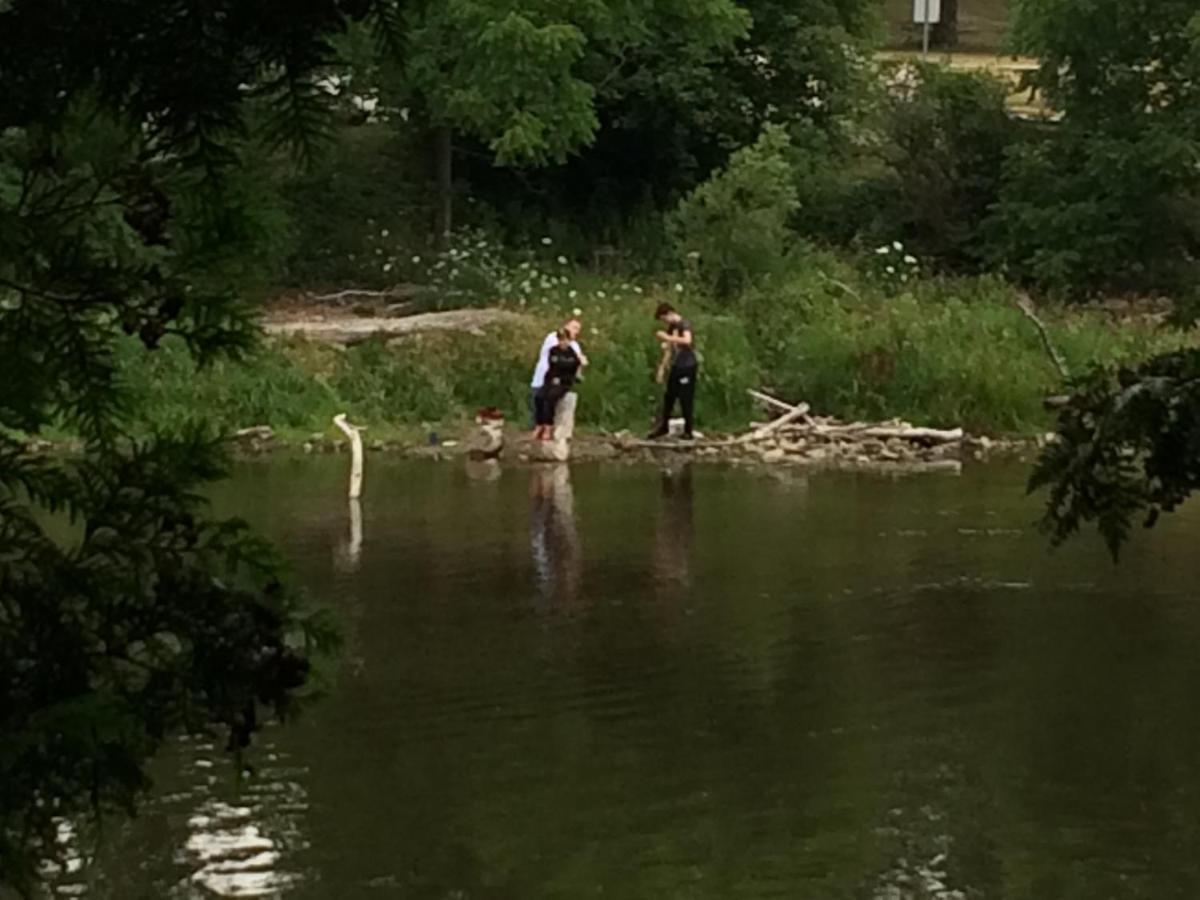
column 562, row 260
column 637, row 290
column 547, row 242
column 678, row 288
column 904, row 278
column 384, row 233
column 883, row 251
column 694, row 254
column 910, row 259
column 601, row 294
column 573, row 295
column 416, row 260
column 577, row 311
column 899, row 246
column 891, row 270
column 387, row 267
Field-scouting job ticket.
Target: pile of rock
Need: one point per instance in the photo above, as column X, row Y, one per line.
column 798, row 436
column 823, row 439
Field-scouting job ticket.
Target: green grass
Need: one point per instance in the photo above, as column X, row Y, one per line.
column 941, row 352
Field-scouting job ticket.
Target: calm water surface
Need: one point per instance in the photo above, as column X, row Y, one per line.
column 631, row 683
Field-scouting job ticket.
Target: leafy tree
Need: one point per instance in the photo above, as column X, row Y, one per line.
column 125, row 613
column 734, row 227
column 523, row 76
column 674, row 109
column 1112, row 191
column 1123, row 181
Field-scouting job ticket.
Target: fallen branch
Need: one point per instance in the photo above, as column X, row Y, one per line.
column 767, row 400
column 1026, row 306
column 399, row 290
column 758, row 434
column 840, row 285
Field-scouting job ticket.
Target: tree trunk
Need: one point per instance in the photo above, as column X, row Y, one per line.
column 945, row 33
column 444, row 165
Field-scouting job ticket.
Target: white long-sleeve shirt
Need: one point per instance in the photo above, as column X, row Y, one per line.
column 543, row 361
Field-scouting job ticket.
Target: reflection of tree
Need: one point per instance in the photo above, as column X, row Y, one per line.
column 554, row 539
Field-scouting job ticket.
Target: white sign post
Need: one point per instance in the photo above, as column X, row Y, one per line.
column 926, row 13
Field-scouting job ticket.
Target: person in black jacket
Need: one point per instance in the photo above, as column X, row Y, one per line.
column 678, row 339
column 560, row 378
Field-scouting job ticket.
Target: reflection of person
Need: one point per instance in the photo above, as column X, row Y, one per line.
column 573, row 327
column 554, row 540
column 562, row 367
column 685, row 367
column 674, row 532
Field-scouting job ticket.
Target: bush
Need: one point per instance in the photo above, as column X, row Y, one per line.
column 947, row 136
column 733, row 229
column 1082, row 212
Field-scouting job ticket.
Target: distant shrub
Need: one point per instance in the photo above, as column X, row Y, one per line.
column 733, row 229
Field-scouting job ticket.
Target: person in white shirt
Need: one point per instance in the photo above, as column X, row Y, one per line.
column 573, row 327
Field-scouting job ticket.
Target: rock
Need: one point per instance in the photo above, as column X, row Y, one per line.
column 772, row 456
column 488, row 440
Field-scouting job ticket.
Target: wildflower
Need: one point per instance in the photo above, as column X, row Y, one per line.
column 678, row 288
column 562, row 260
column 384, row 233
column 637, row 290
column 891, row 270
column 910, row 259
column 595, row 330
column 416, row 260
column 573, row 295
column 387, row 267
column 601, row 294
column 899, row 246
column 694, row 254
column 547, row 242
column 883, row 251
column 577, row 311
column 904, row 278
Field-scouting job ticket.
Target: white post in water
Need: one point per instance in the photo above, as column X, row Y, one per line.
column 356, row 454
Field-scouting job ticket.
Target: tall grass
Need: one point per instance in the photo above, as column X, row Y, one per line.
column 944, row 352
column 955, row 352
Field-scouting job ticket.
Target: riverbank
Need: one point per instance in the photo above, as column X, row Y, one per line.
column 942, row 354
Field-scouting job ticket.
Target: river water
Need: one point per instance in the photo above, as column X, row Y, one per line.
column 700, row 683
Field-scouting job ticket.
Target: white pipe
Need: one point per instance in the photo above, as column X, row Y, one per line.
column 356, row 454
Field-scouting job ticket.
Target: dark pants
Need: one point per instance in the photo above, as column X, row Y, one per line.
column 546, row 403
column 681, row 386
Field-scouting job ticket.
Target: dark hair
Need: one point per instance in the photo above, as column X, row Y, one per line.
column 663, row 310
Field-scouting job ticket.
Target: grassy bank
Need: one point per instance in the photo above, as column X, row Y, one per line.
column 938, row 352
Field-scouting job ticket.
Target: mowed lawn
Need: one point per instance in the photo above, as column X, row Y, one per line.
column 982, row 24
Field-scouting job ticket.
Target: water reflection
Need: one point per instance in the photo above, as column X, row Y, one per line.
column 553, row 535
column 349, row 551
column 237, row 847
column 674, row 533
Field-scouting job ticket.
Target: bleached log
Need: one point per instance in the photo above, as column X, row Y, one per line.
column 353, row 432
column 921, row 435
column 768, row 400
column 798, row 412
